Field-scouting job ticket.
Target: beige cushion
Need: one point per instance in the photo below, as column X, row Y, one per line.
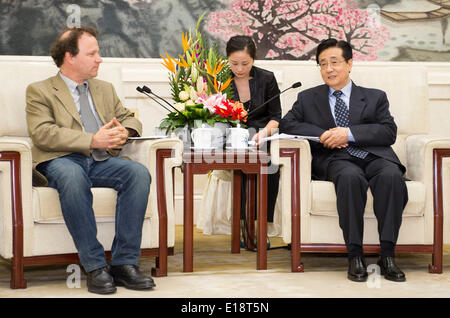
column 13, row 119
column 325, row 229
column 47, row 208
column 323, row 200
column 407, row 93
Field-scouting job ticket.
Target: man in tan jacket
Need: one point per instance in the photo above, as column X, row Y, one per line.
column 78, row 126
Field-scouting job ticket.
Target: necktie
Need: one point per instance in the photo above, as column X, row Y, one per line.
column 89, row 122
column 341, row 115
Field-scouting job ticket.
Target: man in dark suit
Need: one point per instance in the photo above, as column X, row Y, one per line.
column 356, row 133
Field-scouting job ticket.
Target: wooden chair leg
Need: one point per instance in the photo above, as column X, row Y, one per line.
column 13, row 158
column 17, row 279
column 436, row 266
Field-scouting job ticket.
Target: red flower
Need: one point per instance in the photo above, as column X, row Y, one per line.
column 231, row 110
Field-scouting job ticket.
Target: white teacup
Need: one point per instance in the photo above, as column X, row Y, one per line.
column 202, row 137
column 238, row 138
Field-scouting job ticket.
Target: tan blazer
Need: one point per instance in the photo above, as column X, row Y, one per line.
column 55, row 125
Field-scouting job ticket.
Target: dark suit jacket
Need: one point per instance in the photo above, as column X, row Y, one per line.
column 263, row 86
column 370, row 121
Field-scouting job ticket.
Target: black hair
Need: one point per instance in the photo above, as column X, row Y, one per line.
column 241, row 43
column 347, row 52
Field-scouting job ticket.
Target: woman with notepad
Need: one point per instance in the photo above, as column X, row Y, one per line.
column 252, row 86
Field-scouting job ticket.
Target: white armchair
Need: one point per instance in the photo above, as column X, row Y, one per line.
column 32, row 230
column 310, row 219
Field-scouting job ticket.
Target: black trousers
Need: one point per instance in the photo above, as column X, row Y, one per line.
column 352, row 177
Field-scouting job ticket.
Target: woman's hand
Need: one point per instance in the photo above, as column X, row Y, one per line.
column 259, row 136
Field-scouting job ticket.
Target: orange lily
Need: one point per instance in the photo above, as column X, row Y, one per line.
column 208, row 68
column 169, row 63
column 216, row 84
column 218, row 67
column 225, row 85
column 244, row 113
column 186, row 43
column 183, row 62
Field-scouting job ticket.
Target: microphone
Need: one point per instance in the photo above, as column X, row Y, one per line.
column 295, row 85
column 148, row 90
column 140, row 90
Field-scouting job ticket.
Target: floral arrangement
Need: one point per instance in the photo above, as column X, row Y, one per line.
column 200, row 84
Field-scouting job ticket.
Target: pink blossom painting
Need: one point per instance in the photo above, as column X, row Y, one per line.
column 292, row 29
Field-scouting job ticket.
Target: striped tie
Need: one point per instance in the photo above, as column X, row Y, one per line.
column 341, row 114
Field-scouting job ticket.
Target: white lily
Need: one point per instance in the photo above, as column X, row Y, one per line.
column 200, row 84
column 193, row 94
column 194, row 72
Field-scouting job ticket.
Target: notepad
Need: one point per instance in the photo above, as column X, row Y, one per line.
column 148, row 137
column 290, row 137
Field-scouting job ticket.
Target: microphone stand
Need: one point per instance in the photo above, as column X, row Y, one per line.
column 144, row 90
column 140, row 90
column 295, row 85
column 148, row 90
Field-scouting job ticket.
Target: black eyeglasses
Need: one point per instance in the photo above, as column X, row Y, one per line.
column 333, row 64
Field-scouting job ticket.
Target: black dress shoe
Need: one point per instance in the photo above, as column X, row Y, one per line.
column 99, row 281
column 390, row 270
column 131, row 277
column 357, row 269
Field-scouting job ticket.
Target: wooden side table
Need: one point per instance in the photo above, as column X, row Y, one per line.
column 249, row 162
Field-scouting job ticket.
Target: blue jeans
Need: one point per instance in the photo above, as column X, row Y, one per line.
column 73, row 176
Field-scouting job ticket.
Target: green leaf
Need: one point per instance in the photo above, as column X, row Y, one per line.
column 211, row 122
column 200, row 20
